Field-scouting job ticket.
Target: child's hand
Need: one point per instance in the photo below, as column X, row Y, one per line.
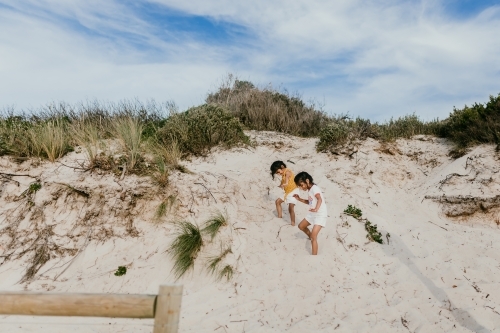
column 313, row 210
column 296, row 196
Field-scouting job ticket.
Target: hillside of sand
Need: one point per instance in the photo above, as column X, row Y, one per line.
column 437, row 271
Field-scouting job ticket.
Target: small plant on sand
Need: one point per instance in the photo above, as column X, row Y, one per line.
column 185, row 247
column 373, row 234
column 226, row 272
column 29, row 193
column 122, row 270
column 353, row 211
column 213, row 224
column 165, row 206
column 214, row 262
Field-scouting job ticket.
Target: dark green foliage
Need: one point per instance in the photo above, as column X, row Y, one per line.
column 185, row 247
column 353, row 211
column 473, row 125
column 122, row 270
column 373, row 234
column 198, row 129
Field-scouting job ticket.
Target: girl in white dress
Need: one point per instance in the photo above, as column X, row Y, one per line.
column 317, row 208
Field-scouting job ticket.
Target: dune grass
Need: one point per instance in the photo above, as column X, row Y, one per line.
column 185, row 247
column 163, row 135
column 165, row 207
column 214, row 262
column 226, row 272
column 214, row 223
column 128, row 131
column 268, row 108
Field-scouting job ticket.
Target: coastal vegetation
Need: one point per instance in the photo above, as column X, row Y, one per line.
column 153, row 138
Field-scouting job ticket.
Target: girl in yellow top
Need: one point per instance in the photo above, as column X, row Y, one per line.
column 289, row 187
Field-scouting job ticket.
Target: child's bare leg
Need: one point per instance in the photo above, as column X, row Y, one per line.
column 314, row 239
column 278, row 207
column 291, row 210
column 303, row 226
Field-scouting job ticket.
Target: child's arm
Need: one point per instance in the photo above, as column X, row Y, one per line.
column 296, row 196
column 318, row 203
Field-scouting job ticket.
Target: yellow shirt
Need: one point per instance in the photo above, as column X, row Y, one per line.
column 291, row 183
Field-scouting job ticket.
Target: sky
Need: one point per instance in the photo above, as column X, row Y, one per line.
column 375, row 59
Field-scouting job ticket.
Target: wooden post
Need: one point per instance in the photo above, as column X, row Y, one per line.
column 86, row 305
column 167, row 310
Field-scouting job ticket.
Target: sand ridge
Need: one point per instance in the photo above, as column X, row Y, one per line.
column 439, row 273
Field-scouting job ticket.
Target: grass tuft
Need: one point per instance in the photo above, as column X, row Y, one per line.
column 214, row 262
column 185, row 247
column 226, row 272
column 165, row 206
column 213, row 225
column 128, row 130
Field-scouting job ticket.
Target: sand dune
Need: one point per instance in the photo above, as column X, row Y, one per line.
column 440, row 271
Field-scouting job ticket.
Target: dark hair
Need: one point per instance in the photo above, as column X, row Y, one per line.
column 276, row 166
column 301, row 177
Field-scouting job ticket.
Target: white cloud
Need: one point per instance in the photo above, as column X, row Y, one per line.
column 378, row 59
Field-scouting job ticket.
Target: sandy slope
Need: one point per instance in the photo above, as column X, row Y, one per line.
column 439, row 273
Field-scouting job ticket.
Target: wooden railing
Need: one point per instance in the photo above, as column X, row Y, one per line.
column 164, row 307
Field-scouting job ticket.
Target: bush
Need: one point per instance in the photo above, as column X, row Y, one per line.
column 406, row 127
column 474, row 125
column 341, row 131
column 198, row 129
column 268, row 109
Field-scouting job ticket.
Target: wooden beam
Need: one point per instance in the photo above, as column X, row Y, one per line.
column 86, row 305
column 168, row 308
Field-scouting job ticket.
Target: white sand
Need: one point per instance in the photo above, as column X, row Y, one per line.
column 438, row 274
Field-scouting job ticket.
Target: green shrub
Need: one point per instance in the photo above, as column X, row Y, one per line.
column 372, row 233
column 122, row 270
column 353, row 211
column 474, row 125
column 199, row 129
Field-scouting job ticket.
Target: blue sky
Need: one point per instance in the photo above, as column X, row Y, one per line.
column 376, row 59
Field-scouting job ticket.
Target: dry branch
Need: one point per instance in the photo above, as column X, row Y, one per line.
column 207, row 190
